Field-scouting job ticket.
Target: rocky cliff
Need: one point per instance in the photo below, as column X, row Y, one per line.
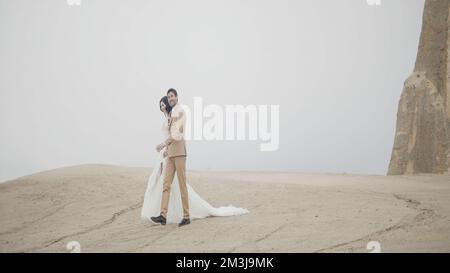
column 422, row 139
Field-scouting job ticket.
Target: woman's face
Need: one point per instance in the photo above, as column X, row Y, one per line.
column 162, row 106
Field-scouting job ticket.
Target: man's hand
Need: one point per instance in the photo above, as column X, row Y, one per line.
column 159, row 147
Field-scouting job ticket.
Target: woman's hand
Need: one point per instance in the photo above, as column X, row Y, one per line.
column 159, row 147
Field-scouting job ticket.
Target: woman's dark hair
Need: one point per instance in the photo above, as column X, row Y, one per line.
column 166, row 102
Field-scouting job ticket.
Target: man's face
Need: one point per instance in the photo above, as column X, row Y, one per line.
column 173, row 100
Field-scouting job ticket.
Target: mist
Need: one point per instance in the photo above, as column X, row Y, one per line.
column 81, row 84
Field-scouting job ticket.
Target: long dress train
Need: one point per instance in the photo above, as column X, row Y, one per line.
column 198, row 208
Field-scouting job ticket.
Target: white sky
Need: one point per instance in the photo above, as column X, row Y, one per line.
column 81, row 84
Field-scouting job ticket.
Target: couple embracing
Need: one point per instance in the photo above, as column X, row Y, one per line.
column 166, row 201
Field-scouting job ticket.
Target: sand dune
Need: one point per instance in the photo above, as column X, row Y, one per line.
column 99, row 206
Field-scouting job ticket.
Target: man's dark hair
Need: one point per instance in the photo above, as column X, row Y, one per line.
column 173, row 91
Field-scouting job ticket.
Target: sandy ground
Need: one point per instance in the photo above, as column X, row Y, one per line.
column 99, row 206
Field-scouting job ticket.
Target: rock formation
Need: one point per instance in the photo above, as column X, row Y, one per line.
column 422, row 139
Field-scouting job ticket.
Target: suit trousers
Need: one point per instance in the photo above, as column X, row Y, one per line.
column 175, row 164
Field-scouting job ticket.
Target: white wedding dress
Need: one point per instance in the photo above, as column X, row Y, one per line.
column 198, row 208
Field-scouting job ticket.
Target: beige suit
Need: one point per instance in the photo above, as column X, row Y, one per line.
column 176, row 161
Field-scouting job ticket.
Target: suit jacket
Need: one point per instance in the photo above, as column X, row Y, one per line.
column 176, row 144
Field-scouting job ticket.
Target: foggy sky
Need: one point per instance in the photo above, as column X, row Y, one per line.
column 81, row 84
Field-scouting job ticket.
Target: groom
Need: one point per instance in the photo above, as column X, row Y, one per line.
column 176, row 162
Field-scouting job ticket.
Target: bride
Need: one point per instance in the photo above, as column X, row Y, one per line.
column 198, row 208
